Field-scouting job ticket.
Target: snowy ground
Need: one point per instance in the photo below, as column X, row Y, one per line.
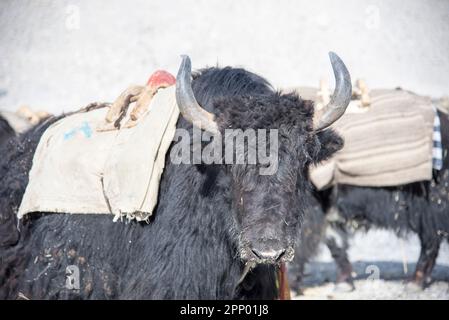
column 382, row 263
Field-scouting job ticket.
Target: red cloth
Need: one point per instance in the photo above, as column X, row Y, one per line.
column 161, row 79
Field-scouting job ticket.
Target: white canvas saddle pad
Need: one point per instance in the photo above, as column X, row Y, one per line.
column 77, row 169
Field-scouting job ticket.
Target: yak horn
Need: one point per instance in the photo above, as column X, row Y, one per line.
column 341, row 97
column 187, row 104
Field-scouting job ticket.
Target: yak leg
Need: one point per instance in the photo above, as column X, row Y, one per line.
column 337, row 242
column 426, row 261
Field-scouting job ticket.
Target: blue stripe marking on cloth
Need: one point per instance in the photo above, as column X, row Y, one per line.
column 84, row 128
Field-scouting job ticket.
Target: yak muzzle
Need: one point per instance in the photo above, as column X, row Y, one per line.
column 267, row 252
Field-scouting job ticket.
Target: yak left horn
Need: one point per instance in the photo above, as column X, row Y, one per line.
column 341, row 97
column 188, row 106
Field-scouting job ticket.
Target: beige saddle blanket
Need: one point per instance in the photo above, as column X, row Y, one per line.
column 80, row 169
column 387, row 143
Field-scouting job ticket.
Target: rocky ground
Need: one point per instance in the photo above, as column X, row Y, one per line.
column 382, row 263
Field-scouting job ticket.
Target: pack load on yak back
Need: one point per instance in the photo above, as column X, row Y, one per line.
column 389, row 139
column 220, row 229
column 98, row 165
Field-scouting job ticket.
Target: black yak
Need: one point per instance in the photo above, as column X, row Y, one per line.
column 210, row 219
column 421, row 208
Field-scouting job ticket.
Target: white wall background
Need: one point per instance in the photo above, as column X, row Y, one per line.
column 60, row 55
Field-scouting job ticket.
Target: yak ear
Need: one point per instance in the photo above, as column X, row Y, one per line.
column 329, row 142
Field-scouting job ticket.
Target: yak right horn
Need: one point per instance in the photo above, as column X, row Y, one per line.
column 341, row 97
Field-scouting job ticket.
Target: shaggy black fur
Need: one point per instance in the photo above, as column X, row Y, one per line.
column 6, row 131
column 192, row 246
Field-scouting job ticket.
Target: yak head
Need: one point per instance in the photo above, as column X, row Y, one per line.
column 267, row 197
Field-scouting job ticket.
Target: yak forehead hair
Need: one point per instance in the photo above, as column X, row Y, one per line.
column 212, row 83
column 243, row 100
column 267, row 111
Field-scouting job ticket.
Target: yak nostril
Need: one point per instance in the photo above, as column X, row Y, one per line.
column 274, row 255
column 256, row 253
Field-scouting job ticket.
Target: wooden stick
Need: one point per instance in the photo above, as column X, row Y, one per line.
column 284, row 288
